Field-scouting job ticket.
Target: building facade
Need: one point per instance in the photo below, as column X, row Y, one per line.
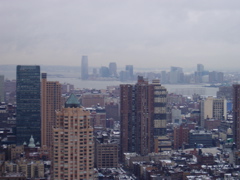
column 236, row 114
column 84, row 68
column 143, row 116
column 93, row 99
column 180, row 135
column 158, row 102
column 28, row 118
column 2, row 97
column 213, row 108
column 30, row 169
column 50, row 102
column 176, row 116
column 113, row 69
column 129, row 70
column 104, row 72
column 175, row 75
column 106, row 154
column 73, row 146
column 200, row 138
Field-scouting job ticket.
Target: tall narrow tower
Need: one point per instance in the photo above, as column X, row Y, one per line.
column 50, row 102
column 236, row 114
column 73, row 148
column 84, row 68
column 28, row 103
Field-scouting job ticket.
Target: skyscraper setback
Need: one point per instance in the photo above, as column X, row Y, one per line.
column 84, row 68
column 143, row 116
column 51, row 101
column 28, row 104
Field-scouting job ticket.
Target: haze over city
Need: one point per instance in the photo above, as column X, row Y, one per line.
column 143, row 33
column 130, row 89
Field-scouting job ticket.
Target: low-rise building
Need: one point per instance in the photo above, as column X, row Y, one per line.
column 30, row 169
column 200, row 137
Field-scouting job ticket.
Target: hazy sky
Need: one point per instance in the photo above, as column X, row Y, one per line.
column 149, row 33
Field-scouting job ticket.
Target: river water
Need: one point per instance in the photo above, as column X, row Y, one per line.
column 187, row 89
column 71, row 78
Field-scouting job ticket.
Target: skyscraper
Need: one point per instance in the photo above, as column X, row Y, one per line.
column 129, row 69
column 50, row 102
column 1, row 88
column 104, row 71
column 200, row 68
column 143, row 116
column 158, row 99
column 28, row 103
column 113, row 69
column 84, row 68
column 73, row 148
column 175, row 75
column 236, row 114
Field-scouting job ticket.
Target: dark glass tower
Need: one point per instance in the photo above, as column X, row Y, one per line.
column 28, row 104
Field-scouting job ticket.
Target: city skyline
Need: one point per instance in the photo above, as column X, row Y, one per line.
column 148, row 34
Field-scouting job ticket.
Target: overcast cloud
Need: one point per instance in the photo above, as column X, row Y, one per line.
column 149, row 33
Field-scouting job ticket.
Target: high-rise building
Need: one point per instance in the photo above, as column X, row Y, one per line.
column 175, row 75
column 164, row 78
column 216, row 77
column 129, row 69
column 1, row 88
column 50, row 102
column 225, row 92
column 123, row 76
column 10, row 91
column 236, row 114
column 28, row 103
column 104, row 71
column 200, row 75
column 213, row 108
column 84, row 68
column 158, row 101
column 143, row 116
column 113, row 69
column 112, row 111
column 73, row 147
column 200, row 68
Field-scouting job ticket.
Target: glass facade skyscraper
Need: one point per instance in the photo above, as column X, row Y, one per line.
column 28, row 104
